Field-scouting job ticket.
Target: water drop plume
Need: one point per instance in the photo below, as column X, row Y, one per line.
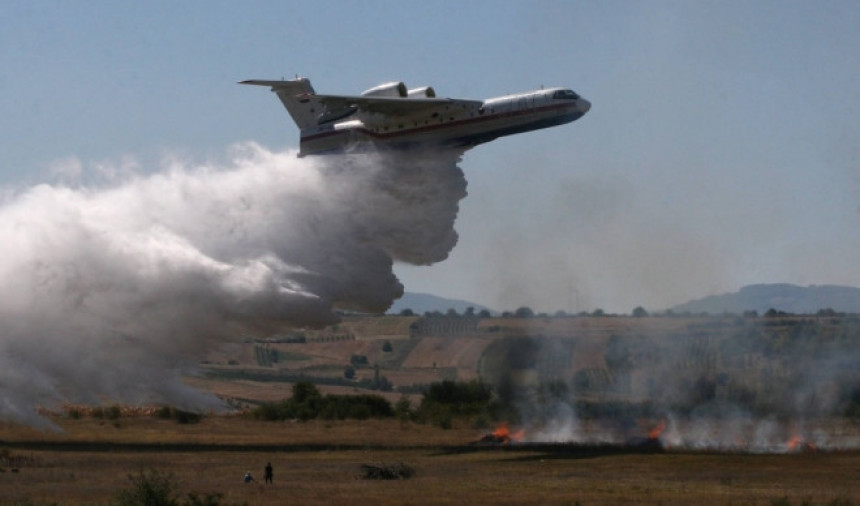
column 111, row 291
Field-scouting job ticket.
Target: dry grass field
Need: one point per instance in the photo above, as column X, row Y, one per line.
column 320, row 463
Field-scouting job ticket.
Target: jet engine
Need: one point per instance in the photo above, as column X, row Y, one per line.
column 395, row 89
column 425, row 92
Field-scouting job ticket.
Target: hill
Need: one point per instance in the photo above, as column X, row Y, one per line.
column 602, row 366
column 421, row 303
column 781, row 297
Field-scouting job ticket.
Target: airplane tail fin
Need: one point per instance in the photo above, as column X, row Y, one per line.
column 297, row 96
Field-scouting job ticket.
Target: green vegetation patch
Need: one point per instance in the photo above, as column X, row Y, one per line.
column 308, row 403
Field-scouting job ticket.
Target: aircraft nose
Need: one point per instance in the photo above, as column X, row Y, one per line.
column 583, row 105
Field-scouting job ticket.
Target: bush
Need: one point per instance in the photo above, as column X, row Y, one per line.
column 462, row 398
column 154, row 488
column 113, row 412
column 359, row 360
column 268, row 411
column 399, row 471
column 403, row 409
column 307, row 403
column 211, row 499
column 183, row 417
column 150, row 488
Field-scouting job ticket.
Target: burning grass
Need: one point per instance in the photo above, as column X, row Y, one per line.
column 447, row 470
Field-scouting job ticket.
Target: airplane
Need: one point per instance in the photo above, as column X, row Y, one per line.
column 391, row 116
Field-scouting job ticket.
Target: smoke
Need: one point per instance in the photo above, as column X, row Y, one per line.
column 111, row 292
column 730, row 383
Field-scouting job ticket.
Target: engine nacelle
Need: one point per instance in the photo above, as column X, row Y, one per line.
column 425, row 92
column 395, row 89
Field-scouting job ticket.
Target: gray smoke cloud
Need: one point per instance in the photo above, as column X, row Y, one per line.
column 111, row 292
column 727, row 382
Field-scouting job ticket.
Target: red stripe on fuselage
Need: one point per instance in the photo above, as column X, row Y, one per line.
column 440, row 126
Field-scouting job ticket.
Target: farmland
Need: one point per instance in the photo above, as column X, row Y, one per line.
column 751, row 411
column 321, row 463
column 782, row 366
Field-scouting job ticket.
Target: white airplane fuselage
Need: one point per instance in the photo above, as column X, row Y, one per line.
column 398, row 120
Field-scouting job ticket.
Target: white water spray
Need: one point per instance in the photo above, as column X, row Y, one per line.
column 109, row 293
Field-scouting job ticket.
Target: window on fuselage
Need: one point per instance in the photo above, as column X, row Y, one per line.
column 565, row 95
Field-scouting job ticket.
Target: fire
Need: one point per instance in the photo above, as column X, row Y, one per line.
column 502, row 431
column 503, row 434
column 798, row 444
column 657, row 431
column 518, row 435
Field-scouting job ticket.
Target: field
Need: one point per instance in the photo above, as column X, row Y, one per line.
column 784, row 378
column 321, row 463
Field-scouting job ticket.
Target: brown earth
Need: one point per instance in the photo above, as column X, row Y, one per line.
column 448, row 470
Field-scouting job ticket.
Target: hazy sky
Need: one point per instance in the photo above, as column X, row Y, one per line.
column 721, row 148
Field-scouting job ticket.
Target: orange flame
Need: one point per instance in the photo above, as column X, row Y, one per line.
column 518, row 435
column 502, row 431
column 503, row 434
column 657, row 431
column 798, row 444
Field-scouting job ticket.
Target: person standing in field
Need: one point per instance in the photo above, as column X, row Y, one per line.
column 269, row 473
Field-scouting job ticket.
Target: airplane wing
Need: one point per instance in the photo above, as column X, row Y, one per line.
column 395, row 106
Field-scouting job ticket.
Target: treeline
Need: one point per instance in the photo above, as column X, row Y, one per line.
column 440, row 404
column 308, row 403
column 637, row 312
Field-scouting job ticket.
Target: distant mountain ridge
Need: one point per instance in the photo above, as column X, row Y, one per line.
column 779, row 296
column 421, row 303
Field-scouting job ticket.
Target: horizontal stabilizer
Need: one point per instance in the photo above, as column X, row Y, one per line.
column 273, row 84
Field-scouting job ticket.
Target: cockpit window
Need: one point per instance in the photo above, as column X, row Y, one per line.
column 565, row 95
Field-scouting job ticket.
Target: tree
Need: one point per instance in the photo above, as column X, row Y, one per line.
column 524, row 312
column 403, row 409
column 407, row 312
column 459, row 397
column 349, row 372
column 304, row 391
column 386, row 347
column 640, row 312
